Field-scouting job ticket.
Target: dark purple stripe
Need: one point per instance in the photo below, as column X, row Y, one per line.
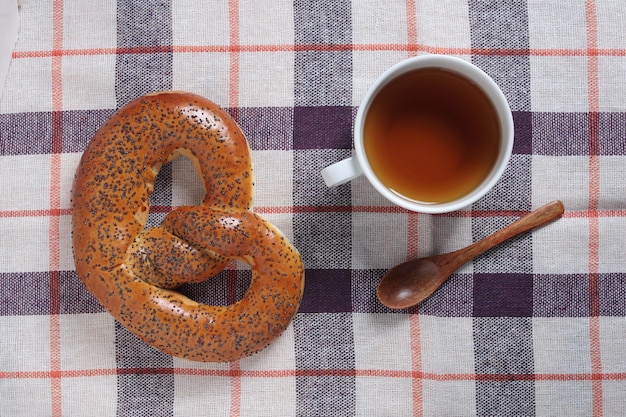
column 326, row 395
column 504, row 346
column 503, row 302
column 75, row 299
column 141, row 391
column 15, row 127
column 505, row 398
column 333, row 331
column 267, row 128
column 322, row 121
column 322, row 342
column 323, row 78
column 323, row 127
column 499, row 25
column 342, row 290
column 324, row 22
column 523, row 128
column 23, row 294
column 309, row 189
column 324, row 239
column 326, row 127
column 503, row 295
column 512, row 74
column 612, row 292
column 327, row 291
column 568, row 295
column 364, row 283
column 561, row 134
column 612, row 133
column 144, row 24
column 502, row 26
column 29, row 294
column 80, row 126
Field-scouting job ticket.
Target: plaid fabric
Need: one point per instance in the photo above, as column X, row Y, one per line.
column 534, row 327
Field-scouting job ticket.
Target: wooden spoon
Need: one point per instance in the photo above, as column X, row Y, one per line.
column 411, row 282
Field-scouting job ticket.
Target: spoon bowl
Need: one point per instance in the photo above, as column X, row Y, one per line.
column 411, row 282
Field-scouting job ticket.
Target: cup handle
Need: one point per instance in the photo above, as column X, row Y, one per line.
column 342, row 172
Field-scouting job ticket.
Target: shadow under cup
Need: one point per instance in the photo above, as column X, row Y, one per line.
column 434, row 134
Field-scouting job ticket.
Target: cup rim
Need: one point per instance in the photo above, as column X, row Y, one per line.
column 486, row 84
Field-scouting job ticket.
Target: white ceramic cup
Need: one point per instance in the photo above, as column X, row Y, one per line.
column 358, row 164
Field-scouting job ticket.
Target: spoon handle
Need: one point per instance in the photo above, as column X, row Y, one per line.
column 538, row 217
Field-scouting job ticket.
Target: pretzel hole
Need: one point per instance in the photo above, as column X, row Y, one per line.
column 177, row 184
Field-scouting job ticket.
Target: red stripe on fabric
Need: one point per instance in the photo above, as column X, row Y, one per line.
column 235, row 389
column 233, row 17
column 55, row 205
column 412, row 238
column 289, row 373
column 233, row 14
column 416, row 364
column 412, row 38
column 35, row 213
column 594, row 193
column 411, row 47
column 55, row 363
column 411, row 28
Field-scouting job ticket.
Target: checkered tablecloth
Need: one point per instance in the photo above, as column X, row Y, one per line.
column 534, row 327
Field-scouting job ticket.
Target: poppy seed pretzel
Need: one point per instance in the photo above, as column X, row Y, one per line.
column 131, row 270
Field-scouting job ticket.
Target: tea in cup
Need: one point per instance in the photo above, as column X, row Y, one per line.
column 433, row 134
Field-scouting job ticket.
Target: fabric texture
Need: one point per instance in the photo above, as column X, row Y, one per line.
column 536, row 326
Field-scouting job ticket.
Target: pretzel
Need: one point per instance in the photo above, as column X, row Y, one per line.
column 132, row 270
